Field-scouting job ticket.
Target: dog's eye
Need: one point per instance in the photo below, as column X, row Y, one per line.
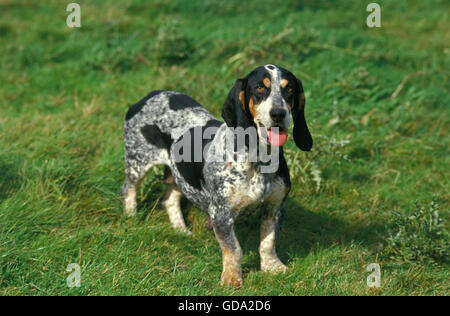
column 260, row 88
column 289, row 89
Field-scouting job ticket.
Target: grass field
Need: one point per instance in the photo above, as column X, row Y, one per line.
column 377, row 106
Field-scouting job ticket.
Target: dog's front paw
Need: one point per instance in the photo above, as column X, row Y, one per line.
column 183, row 230
column 231, row 280
column 231, row 277
column 273, row 266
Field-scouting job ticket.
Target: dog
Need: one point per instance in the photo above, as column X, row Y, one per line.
column 153, row 133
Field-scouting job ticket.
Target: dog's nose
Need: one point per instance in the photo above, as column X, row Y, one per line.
column 278, row 114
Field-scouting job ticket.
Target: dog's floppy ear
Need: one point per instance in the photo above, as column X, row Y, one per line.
column 302, row 137
column 234, row 109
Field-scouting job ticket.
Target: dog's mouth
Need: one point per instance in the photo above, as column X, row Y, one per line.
column 275, row 136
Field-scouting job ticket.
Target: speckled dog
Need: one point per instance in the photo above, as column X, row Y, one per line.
column 263, row 100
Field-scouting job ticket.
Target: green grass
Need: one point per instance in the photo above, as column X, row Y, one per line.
column 64, row 94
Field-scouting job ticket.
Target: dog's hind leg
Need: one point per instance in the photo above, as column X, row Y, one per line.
column 172, row 205
column 128, row 192
column 134, row 176
column 144, row 148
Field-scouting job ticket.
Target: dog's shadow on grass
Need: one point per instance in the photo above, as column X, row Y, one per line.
column 301, row 232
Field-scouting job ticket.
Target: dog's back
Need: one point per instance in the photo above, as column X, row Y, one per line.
column 169, row 111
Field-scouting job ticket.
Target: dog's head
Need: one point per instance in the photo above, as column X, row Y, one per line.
column 264, row 99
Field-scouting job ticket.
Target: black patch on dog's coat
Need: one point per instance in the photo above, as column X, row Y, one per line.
column 154, row 136
column 135, row 109
column 232, row 111
column 181, row 101
column 283, row 169
column 192, row 171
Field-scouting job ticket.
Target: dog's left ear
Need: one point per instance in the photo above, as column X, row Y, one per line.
column 234, row 109
column 302, row 137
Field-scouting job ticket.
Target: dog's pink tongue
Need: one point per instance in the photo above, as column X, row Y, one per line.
column 275, row 138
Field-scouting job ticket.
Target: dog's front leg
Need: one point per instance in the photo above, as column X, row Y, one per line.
column 269, row 227
column 223, row 225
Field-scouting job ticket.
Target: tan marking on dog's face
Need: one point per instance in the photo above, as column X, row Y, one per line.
column 267, row 83
column 253, row 107
column 284, row 83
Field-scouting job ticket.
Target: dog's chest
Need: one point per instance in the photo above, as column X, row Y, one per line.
column 249, row 188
